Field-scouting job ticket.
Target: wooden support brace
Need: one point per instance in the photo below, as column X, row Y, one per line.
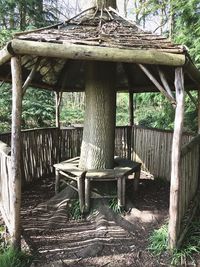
column 174, row 220
column 30, row 76
column 157, row 84
column 165, row 83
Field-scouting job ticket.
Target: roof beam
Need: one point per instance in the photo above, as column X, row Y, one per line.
column 4, row 55
column 86, row 52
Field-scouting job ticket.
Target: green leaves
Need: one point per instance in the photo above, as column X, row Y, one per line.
column 38, row 109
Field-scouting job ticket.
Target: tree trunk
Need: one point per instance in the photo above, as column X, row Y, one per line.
column 101, row 3
column 97, row 151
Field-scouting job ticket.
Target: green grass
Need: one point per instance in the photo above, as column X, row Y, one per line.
column 190, row 246
column 158, row 244
column 158, row 240
column 13, row 258
column 74, row 210
column 113, row 205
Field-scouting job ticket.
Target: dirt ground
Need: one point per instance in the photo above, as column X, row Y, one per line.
column 104, row 238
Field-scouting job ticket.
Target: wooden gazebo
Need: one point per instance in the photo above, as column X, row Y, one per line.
column 55, row 58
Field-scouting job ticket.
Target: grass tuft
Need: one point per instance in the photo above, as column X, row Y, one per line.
column 14, row 258
column 113, row 205
column 158, row 244
column 159, row 240
column 74, row 210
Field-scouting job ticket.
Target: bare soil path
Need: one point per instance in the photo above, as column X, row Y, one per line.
column 102, row 239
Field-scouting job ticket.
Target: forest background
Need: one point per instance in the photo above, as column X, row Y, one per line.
column 177, row 19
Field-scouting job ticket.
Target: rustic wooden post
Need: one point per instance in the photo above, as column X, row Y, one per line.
column 58, row 100
column 174, row 222
column 131, row 111
column 15, row 193
column 198, row 110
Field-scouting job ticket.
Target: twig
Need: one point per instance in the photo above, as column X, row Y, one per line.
column 105, row 264
column 109, row 14
column 94, row 7
column 131, row 23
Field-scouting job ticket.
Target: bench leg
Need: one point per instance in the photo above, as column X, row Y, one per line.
column 87, row 195
column 136, row 181
column 57, row 182
column 80, row 181
column 121, row 185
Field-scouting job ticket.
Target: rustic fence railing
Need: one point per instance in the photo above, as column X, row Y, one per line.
column 189, row 194
column 152, row 148
column 5, row 189
column 41, row 148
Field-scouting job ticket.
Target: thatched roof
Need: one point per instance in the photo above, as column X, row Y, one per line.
column 62, row 50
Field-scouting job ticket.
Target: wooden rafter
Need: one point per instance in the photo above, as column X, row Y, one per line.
column 157, row 84
column 30, row 76
column 165, row 82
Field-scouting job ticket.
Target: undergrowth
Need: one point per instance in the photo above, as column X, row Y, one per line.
column 10, row 257
column 158, row 244
column 14, row 258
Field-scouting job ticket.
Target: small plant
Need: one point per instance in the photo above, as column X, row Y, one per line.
column 14, row 258
column 159, row 244
column 74, row 210
column 190, row 246
column 113, row 205
column 158, row 240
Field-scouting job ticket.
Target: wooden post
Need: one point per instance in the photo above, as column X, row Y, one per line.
column 131, row 111
column 58, row 100
column 174, row 222
column 15, row 193
column 198, row 110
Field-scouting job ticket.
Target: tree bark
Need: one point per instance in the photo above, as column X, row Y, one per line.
column 97, row 151
column 101, row 3
column 16, row 152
